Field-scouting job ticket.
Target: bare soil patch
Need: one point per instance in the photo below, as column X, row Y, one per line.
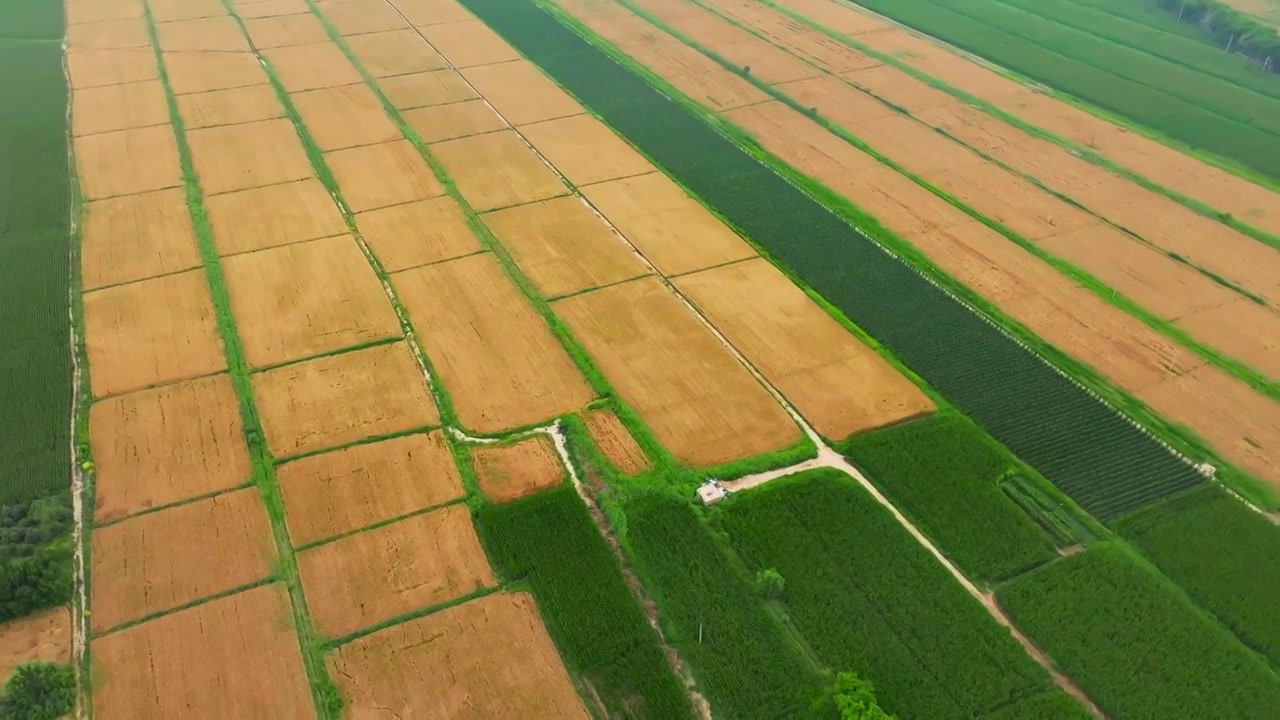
column 161, row 560
column 521, row 93
column 95, row 68
column 366, row 578
column 238, row 157
column 469, row 43
column 237, row 656
column 841, row 386
column 135, row 237
column 220, row 33
column 157, row 447
column 487, row 658
column 150, row 154
column 311, row 66
column 119, row 107
column 377, row 176
column 332, row 493
column 191, row 72
column 1241, row 329
column 45, row 636
column 422, row 89
column 306, row 299
column 339, row 399
column 108, row 34
column 163, row 11
column 671, row 229
column 356, row 17
column 398, row 52
column 585, row 150
column 495, row 355
column 701, row 403
column 423, row 13
column 102, row 11
column 229, row 107
column 344, row 117
column 497, row 170
column 270, row 8
column 615, row 442
column 563, row 247
column 271, row 216
column 511, row 471
column 151, row 332
column 285, row 30
column 455, row 120
column 417, row 233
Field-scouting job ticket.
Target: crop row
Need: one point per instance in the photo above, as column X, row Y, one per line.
column 1098, row 458
column 1049, row 705
column 549, row 540
column 866, row 596
column 943, row 473
column 1134, row 645
column 1224, row 554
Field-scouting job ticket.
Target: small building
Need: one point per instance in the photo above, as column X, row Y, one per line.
column 710, row 492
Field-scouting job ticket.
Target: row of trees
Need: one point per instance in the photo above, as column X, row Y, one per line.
column 1230, row 28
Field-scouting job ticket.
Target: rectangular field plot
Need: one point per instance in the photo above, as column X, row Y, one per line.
column 270, row 8
column 220, row 33
column 494, row 354
column 193, row 72
column 417, row 233
column 701, row 403
column 135, row 237
column 336, row 400
column 149, row 154
column 239, row 157
column 455, row 120
column 496, row 170
column 332, row 493
column 108, row 34
column 119, row 107
column 424, row 13
column 376, row 176
column 343, row 117
column 469, row 43
column 156, row 447
column 563, row 247
column 520, row 92
column 285, row 30
column 229, row 107
column 162, row 560
column 614, row 441
column 398, row 52
column 151, row 332
column 272, row 216
column 95, row 68
column 235, row 657
column 487, row 658
column 366, row 578
column 423, row 89
column 510, row 471
column 837, row 383
column 306, row 299
column 669, row 228
column 170, row 10
column 311, row 66
column 356, row 17
column 585, row 150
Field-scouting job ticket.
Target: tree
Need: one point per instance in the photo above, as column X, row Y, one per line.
column 39, row 691
column 855, row 699
column 769, row 583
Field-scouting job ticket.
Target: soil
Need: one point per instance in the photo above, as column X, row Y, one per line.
column 343, row 398
column 394, row 53
column 311, row 66
column 563, row 247
column 239, row 157
column 487, row 658
column 285, row 30
column 107, row 34
column 229, row 107
column 661, row 221
column 191, row 72
column 337, row 492
column 497, row 170
column 150, row 154
column 468, row 44
column 417, row 233
column 45, row 636
column 423, row 89
column 493, row 353
column 841, row 386
column 161, row 446
column 521, row 93
column 701, row 403
column 455, row 120
column 272, row 216
column 510, row 472
column 357, row 17
column 585, row 150
column 161, row 560
column 615, row 443
column 373, row 576
column 95, row 68
column 161, row 238
column 1241, row 329
column 119, row 107
column 237, row 656
column 163, row 11
column 151, row 332
column 344, row 117
column 221, row 33
column 377, row 176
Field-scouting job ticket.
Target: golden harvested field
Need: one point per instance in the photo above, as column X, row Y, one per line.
column 191, row 72
column 1241, row 328
column 273, row 216
column 249, row 155
column 344, row 117
column 585, row 150
column 103, row 11
column 161, row 239
column 285, row 30
column 95, row 68
column 311, row 66
column 108, row 34
column 376, row 176
column 417, row 233
column 617, row 445
column 487, row 658
column 356, row 17
column 702, row 404
column 229, row 107
column 337, row 492
column 841, row 386
column 510, row 471
column 119, row 107
column 495, row 356
column 423, row 89
column 395, row 53
column 425, row 13
column 820, row 153
column 170, row 10
column 306, row 299
column 151, row 154
column 44, row 636
column 340, row 399
column 468, row 43
column 366, row 578
column 455, row 120
column 521, row 93
column 162, row 560
column 236, row 656
column 497, row 170
column 218, row 33
column 156, row 447
column 563, row 247
column 269, row 8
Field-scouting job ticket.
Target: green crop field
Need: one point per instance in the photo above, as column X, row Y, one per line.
column 1134, row 645
column 1224, row 554
column 942, row 472
column 550, row 540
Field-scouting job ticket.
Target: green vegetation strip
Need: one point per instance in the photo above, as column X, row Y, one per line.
column 1134, row 644
column 867, row 596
